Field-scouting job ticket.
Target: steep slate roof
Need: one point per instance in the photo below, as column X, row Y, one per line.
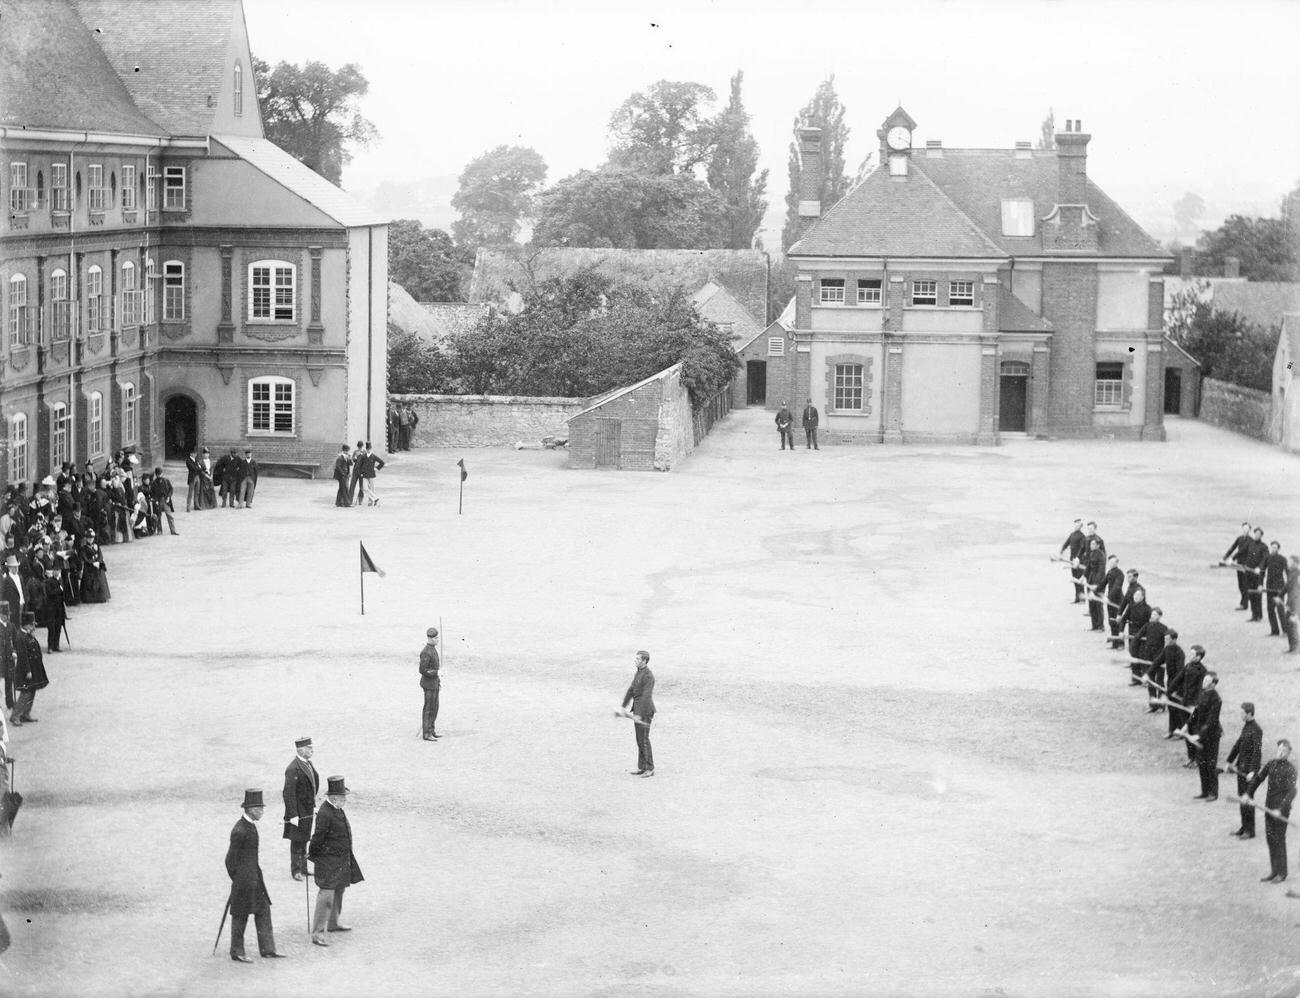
column 53, row 74
column 1014, row 316
column 180, row 49
column 742, row 272
column 303, row 181
column 719, row 305
column 951, row 206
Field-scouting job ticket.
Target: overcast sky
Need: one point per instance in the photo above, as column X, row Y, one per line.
column 1178, row 96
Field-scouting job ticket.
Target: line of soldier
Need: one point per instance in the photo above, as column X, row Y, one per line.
column 322, row 835
column 1186, row 689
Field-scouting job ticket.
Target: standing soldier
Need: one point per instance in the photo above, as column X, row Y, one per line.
column 1204, row 723
column 1094, row 574
column 1192, row 680
column 783, row 421
column 1113, row 593
column 640, row 697
column 1244, row 759
column 247, row 888
column 1165, row 663
column 301, row 785
column 1280, row 775
column 1273, row 579
column 1237, row 551
column 1136, row 615
column 1253, row 562
column 1074, row 544
column 810, row 421
column 403, row 428
column 431, row 683
column 1172, row 660
column 336, row 866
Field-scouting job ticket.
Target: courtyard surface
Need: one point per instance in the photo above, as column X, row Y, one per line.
column 892, row 760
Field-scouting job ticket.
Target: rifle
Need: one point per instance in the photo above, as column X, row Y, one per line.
column 1148, row 681
column 1166, row 702
column 1234, row 565
column 1247, row 802
column 1190, row 739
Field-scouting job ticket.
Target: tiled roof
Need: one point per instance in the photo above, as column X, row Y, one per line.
column 53, row 74
column 303, row 181
column 609, row 396
column 719, row 305
column 742, row 272
column 1261, row 302
column 179, row 47
column 886, row 216
column 1014, row 316
column 951, row 206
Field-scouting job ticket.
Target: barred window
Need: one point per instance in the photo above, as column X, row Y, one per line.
column 1108, row 392
column 270, row 406
column 848, row 386
column 18, row 448
column 832, row 292
column 869, row 292
column 272, row 291
column 925, row 292
column 961, row 293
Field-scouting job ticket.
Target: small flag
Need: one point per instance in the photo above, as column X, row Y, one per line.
column 463, row 473
column 369, row 566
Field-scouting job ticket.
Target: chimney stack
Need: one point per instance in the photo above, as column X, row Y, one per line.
column 810, row 176
column 1072, row 159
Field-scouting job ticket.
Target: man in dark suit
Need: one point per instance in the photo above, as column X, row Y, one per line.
column 247, row 888
column 1150, row 640
column 1280, row 774
column 1113, row 593
column 783, row 421
column 1167, row 670
column 1075, row 545
column 1136, row 615
column 370, row 464
column 13, row 589
column 29, row 676
column 336, row 866
column 641, row 698
column 1235, row 552
column 8, row 658
column 342, row 468
column 1253, row 561
column 354, row 488
column 431, row 683
column 1244, row 759
column 193, row 476
column 1094, row 575
column 162, row 497
column 1192, row 680
column 1204, row 724
column 1273, row 576
column 301, row 785
column 810, row 420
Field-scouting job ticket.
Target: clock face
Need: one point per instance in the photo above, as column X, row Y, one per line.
column 898, row 137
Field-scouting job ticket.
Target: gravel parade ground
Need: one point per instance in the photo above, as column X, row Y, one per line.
column 891, row 757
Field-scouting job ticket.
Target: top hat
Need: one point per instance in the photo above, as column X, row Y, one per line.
column 11, row 562
column 252, row 798
column 336, row 787
column 29, row 619
column 304, row 742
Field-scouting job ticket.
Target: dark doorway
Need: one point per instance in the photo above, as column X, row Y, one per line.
column 1013, row 397
column 609, row 443
column 756, row 382
column 180, row 427
column 1173, row 391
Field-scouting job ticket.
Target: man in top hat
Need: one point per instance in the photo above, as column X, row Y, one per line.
column 301, row 785
column 336, row 866
column 247, row 888
column 342, row 468
column 29, row 676
column 1244, row 759
column 431, row 683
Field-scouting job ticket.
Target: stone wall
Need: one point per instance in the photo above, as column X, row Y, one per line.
column 488, row 420
column 1243, row 410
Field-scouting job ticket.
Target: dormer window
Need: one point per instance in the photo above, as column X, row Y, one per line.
column 1017, row 217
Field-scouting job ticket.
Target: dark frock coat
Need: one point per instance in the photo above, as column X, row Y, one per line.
column 301, row 783
column 331, row 850
column 247, row 888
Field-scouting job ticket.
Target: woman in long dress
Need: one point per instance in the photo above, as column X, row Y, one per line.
column 94, row 575
column 207, row 498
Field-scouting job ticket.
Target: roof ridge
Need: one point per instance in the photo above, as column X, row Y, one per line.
column 969, row 221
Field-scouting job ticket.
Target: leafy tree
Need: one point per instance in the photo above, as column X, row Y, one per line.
column 312, row 113
column 423, row 261
column 1229, row 347
column 826, row 112
column 664, row 130
column 731, row 173
column 1261, row 244
column 416, row 367
column 496, row 196
column 1187, row 211
column 1047, row 131
column 629, row 210
column 589, row 332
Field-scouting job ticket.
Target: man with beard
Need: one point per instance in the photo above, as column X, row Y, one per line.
column 301, row 785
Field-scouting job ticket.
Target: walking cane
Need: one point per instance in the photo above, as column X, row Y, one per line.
column 65, row 632
column 306, row 895
column 222, row 927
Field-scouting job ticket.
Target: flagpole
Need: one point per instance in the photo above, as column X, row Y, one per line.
column 460, row 505
column 362, row 565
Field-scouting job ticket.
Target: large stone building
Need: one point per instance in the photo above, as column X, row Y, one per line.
column 962, row 294
column 169, row 277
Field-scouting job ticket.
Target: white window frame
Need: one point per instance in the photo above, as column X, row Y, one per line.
column 130, row 407
column 20, row 195
column 925, row 292
column 58, row 434
column 18, row 447
column 60, row 306
column 272, row 401
column 831, row 291
column 19, row 322
column 266, row 303
column 150, row 290
column 961, row 298
column 871, row 291
column 128, row 186
column 239, row 88
column 850, row 384
column 173, row 193
column 1017, row 217
column 1108, row 393
column 98, row 192
column 94, row 299
column 95, row 424
column 130, row 296
column 776, row 346
column 59, row 187
column 173, row 291
column 151, row 189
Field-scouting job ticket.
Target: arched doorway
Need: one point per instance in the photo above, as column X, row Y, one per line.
column 180, row 427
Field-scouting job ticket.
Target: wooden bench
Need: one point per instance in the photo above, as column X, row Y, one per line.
column 307, row 469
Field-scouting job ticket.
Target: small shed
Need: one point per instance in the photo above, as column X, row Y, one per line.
column 767, row 373
column 642, row 427
column 1285, row 429
column 1182, row 391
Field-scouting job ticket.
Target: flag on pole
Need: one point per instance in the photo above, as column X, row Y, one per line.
column 367, row 565
column 463, row 473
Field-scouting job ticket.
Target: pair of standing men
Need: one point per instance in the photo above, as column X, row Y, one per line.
column 365, row 464
column 237, row 477
column 785, row 425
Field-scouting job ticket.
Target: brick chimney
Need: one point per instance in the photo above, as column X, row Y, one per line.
column 810, row 176
column 1231, row 266
column 1072, row 159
